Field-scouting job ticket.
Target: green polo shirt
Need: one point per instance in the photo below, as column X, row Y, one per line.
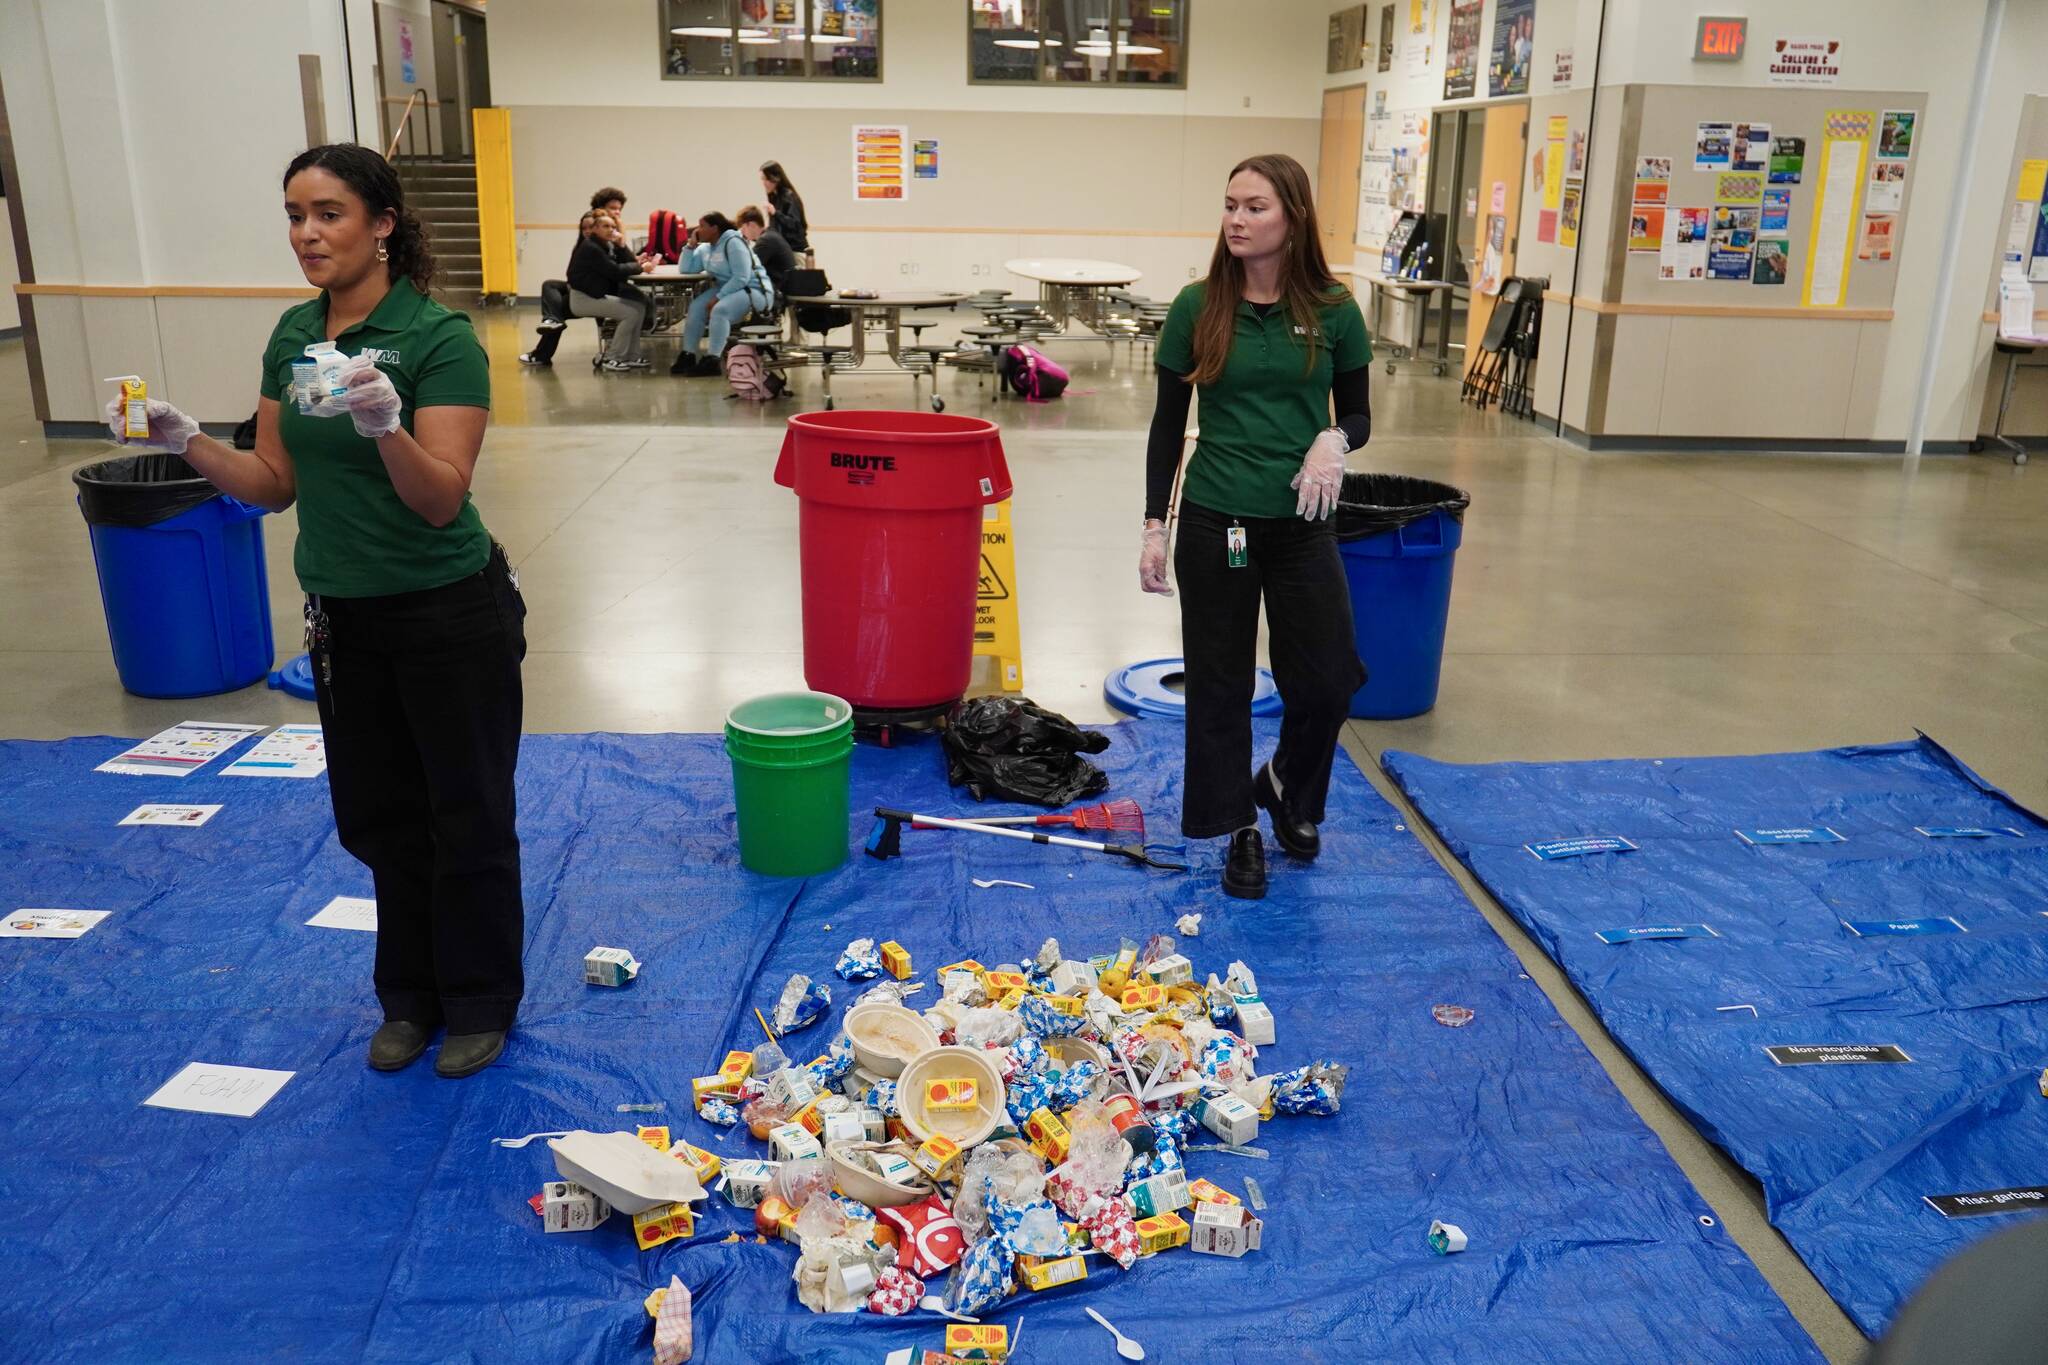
column 1260, row 417
column 357, row 538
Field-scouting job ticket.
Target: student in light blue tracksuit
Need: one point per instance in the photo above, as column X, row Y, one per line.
column 739, row 287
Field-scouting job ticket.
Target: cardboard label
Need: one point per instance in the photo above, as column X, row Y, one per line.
column 1818, row 835
column 1551, row 850
column 1636, row 931
column 1940, row 924
column 1980, row 1203
column 1835, row 1054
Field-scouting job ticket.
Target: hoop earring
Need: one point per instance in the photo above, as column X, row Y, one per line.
column 382, row 253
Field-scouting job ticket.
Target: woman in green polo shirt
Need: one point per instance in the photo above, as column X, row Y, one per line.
column 413, row 616
column 1273, row 343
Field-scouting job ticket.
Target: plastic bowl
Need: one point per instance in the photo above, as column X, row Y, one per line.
column 856, row 1181
column 885, row 1037
column 965, row 1126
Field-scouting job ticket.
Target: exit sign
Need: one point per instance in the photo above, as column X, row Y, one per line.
column 1720, row 39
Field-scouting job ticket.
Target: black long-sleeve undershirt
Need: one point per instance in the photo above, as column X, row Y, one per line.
column 1350, row 394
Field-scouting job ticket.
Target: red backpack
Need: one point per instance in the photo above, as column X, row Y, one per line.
column 665, row 235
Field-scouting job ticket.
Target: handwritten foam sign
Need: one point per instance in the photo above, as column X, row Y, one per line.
column 213, row 1088
column 347, row 912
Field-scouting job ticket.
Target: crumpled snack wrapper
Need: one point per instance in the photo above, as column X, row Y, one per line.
column 1112, row 1230
column 672, row 1326
column 897, row 1291
column 982, row 1278
column 802, row 1001
column 1317, row 1089
column 862, row 961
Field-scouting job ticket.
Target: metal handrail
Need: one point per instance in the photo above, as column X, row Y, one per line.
column 399, row 131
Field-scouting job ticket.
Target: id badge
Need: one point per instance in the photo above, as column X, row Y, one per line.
column 1233, row 540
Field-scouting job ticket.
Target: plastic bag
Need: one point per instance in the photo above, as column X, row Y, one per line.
column 1011, row 749
column 1373, row 504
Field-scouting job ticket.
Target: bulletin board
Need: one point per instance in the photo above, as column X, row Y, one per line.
column 1670, row 128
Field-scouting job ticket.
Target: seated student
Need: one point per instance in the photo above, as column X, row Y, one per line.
column 612, row 200
column 785, row 207
column 776, row 256
column 738, row 286
column 597, row 282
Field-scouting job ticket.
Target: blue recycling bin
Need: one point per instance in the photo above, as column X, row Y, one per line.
column 1399, row 537
column 182, row 577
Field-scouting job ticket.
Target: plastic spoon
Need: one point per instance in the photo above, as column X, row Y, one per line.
column 1125, row 1347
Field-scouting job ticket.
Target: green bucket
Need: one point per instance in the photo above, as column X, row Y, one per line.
column 790, row 752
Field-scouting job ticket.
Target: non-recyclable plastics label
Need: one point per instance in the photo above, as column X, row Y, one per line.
column 1636, row 931
column 1550, row 850
column 2016, row 1200
column 1965, row 832
column 1821, row 835
column 1834, row 1054
column 1940, row 924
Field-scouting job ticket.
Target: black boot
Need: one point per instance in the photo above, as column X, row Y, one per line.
column 398, row 1044
column 465, row 1054
column 1244, row 870
column 1297, row 836
column 685, row 365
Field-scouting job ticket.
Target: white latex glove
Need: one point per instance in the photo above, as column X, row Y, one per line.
column 1321, row 477
column 169, row 429
column 371, row 400
column 1152, row 562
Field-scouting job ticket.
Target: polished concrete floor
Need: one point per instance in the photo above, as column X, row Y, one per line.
column 1605, row 605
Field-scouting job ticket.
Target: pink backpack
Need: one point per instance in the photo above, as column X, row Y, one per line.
column 748, row 378
column 1033, row 374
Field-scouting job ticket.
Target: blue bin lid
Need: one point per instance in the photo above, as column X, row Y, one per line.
column 1141, row 689
column 295, row 678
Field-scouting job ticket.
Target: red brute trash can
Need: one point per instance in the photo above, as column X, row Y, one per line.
column 889, row 517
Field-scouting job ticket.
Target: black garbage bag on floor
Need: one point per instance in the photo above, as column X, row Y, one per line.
column 1012, row 749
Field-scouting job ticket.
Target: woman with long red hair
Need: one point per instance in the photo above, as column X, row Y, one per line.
column 1278, row 350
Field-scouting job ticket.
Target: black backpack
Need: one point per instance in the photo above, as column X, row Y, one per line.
column 814, row 317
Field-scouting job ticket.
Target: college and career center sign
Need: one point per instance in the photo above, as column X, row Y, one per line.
column 1720, row 38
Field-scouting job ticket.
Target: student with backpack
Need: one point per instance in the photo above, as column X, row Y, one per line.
column 739, row 286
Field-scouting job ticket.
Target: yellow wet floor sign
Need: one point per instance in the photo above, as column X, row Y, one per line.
column 995, row 602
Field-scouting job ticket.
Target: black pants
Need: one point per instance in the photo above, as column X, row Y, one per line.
column 420, row 702
column 548, row 338
column 1293, row 564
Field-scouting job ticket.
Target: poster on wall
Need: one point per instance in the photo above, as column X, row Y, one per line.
column 407, row 74
column 1895, row 134
column 1550, row 177
column 1788, row 158
column 1804, row 61
column 880, row 161
column 1653, row 182
column 1837, row 198
column 1773, row 257
column 1415, row 42
column 1731, row 242
column 925, row 158
column 1645, row 227
column 1876, row 242
column 1741, row 187
column 1386, row 61
column 1575, row 155
column 1750, row 147
column 1514, row 47
column 1683, row 253
column 1568, row 213
column 1887, row 190
column 1710, row 147
column 1461, row 50
column 2019, row 235
column 1496, row 253
column 1561, row 69
column 1777, row 211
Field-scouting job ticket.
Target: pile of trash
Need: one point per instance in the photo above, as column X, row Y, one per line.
column 1029, row 1125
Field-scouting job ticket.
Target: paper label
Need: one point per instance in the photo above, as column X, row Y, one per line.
column 1819, row 834
column 50, row 923
column 2018, row 1199
column 287, row 751
column 1965, row 832
column 1636, row 931
column 184, row 748
column 1943, row 924
column 209, row 1088
column 1834, row 1054
column 347, row 912
column 1551, row 850
column 187, row 817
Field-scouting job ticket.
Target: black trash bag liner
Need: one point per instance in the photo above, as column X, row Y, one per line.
column 139, row 490
column 1012, row 749
column 1373, row 504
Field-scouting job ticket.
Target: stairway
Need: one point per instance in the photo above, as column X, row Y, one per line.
column 442, row 191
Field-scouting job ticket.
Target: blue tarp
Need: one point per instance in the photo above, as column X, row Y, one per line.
column 1845, row 1153
column 367, row 1216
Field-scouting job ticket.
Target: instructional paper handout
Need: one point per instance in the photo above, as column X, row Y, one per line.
column 184, row 748
column 50, row 923
column 287, row 751
column 187, row 817
column 210, row 1088
column 347, row 912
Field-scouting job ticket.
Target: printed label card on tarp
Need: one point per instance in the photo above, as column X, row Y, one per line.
column 182, row 817
column 288, row 751
column 1551, row 850
column 50, row 923
column 1792, row 834
column 184, row 748
column 1878, row 928
column 209, row 1088
column 1978, row 1203
column 1967, row 832
column 1836, row 1054
column 1636, row 932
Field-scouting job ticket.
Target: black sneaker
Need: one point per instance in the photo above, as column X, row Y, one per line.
column 1244, row 869
column 398, row 1044
column 1297, row 836
column 465, row 1054
column 551, row 325
column 685, row 365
